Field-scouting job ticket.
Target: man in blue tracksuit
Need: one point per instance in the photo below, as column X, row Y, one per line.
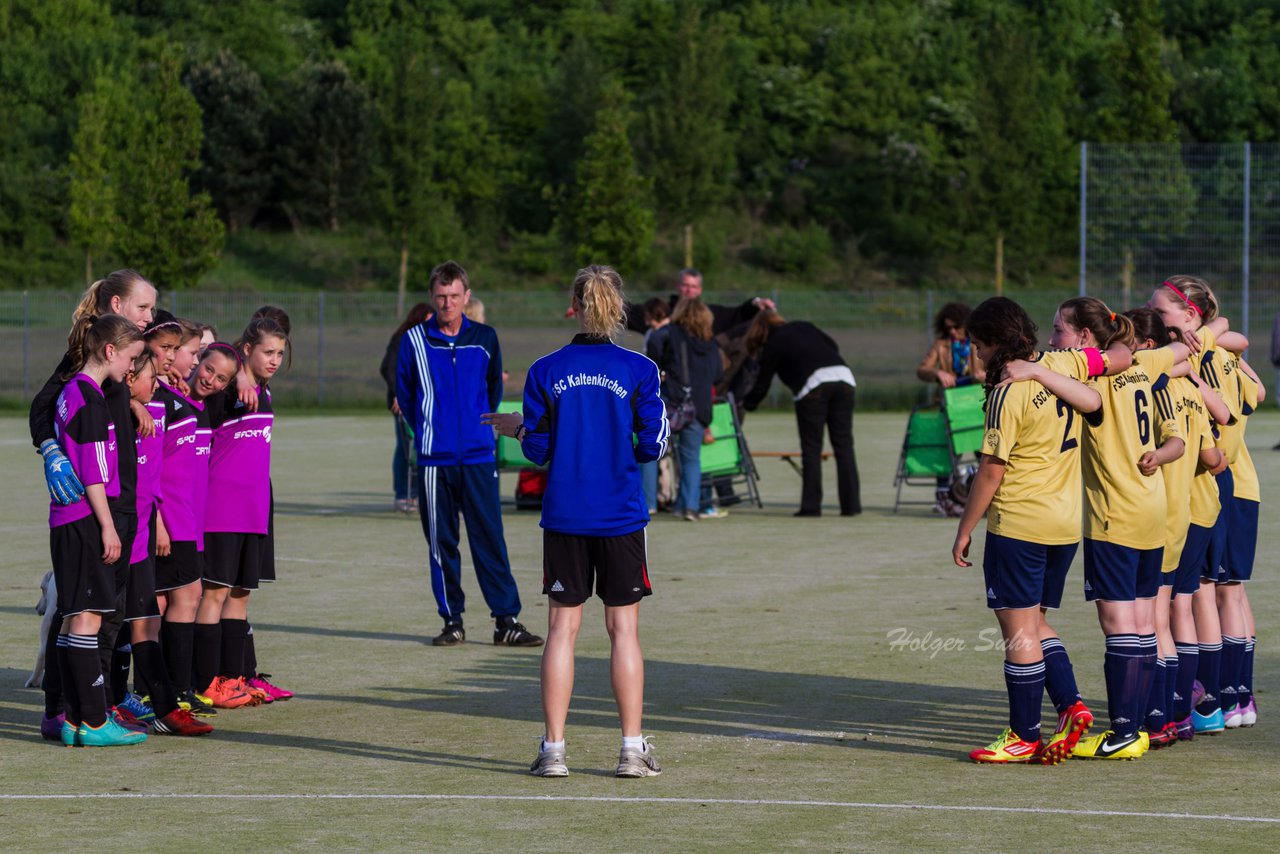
column 449, row 373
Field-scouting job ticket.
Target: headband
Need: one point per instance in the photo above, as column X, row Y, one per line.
column 1183, row 297
column 164, row 324
column 225, row 348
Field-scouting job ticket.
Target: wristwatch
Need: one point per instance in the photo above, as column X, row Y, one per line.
column 520, row 431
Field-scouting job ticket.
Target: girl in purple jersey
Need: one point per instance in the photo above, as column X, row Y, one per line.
column 142, row 612
column 238, row 512
column 180, row 545
column 84, row 539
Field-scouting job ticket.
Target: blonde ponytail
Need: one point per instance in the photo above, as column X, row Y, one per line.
column 96, row 301
column 598, row 290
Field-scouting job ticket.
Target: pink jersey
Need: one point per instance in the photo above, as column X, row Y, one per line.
column 82, row 425
column 240, row 468
column 150, row 453
column 184, row 474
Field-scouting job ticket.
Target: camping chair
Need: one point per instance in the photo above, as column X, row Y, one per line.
column 728, row 457
column 937, row 439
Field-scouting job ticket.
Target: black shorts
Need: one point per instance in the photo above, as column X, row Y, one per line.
column 267, row 566
column 182, row 565
column 140, row 591
column 233, row 560
column 615, row 566
column 85, row 583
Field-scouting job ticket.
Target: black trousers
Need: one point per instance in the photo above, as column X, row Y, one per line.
column 830, row 405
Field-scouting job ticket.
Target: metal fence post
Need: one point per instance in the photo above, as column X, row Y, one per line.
column 1084, row 208
column 1244, row 260
column 26, row 346
column 320, row 351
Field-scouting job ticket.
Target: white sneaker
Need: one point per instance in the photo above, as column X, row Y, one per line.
column 550, row 763
column 633, row 762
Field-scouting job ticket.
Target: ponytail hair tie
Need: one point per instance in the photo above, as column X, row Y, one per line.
column 1113, row 317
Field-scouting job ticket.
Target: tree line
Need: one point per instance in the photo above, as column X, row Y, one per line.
column 794, row 133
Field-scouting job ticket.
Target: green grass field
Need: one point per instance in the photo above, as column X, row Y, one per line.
column 784, row 716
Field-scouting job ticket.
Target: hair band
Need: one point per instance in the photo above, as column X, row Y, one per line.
column 1113, row 317
column 226, row 348
column 1183, row 297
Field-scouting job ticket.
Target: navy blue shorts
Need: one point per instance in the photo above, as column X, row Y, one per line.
column 1217, row 553
column 1191, row 564
column 1022, row 574
column 1242, row 540
column 1116, row 573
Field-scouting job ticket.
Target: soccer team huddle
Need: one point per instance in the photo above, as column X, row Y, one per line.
column 157, row 446
column 1133, row 423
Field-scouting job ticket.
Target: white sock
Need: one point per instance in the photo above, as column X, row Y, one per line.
column 634, row 741
column 552, row 745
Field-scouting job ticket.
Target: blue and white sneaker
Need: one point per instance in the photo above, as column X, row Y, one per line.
column 1210, row 724
column 138, row 707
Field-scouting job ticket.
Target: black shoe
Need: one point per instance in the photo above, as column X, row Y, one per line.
column 191, row 701
column 514, row 634
column 807, row 513
column 453, row 635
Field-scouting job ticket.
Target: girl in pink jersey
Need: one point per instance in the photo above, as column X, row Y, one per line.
column 237, row 516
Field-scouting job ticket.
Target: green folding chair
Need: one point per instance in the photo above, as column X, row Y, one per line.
column 966, row 422
column 510, row 456
column 728, row 457
column 926, row 454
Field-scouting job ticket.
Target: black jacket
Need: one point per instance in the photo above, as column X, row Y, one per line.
column 794, row 351
column 705, row 370
column 723, row 317
column 388, row 367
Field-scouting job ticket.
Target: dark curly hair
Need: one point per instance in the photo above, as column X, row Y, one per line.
column 1001, row 323
column 955, row 313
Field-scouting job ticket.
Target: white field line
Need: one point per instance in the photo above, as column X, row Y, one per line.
column 753, row 802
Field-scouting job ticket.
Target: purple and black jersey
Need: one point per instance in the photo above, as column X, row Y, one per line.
column 184, row 474
column 83, row 427
column 150, row 453
column 240, row 467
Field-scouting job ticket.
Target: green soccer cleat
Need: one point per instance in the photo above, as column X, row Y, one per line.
column 110, row 734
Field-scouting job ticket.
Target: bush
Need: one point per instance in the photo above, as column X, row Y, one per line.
column 796, row 250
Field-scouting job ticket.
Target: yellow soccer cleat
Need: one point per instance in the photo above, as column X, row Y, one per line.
column 1008, row 748
column 1108, row 745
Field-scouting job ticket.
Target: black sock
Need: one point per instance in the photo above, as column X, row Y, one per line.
column 176, row 641
column 52, row 684
column 86, row 672
column 151, row 668
column 121, row 658
column 207, row 653
column 233, row 635
column 250, row 655
column 70, row 699
column 107, row 634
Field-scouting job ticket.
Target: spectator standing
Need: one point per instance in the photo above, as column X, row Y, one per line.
column 723, row 317
column 402, row 461
column 658, row 318
column 809, row 362
column 448, row 374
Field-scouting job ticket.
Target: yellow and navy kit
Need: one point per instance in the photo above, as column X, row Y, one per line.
column 1122, row 506
column 1180, row 475
column 1037, row 435
column 1218, row 368
column 1242, row 468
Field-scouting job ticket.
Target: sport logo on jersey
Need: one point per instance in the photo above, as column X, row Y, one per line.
column 264, row 433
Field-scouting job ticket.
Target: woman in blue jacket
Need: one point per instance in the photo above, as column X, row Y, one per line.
column 593, row 413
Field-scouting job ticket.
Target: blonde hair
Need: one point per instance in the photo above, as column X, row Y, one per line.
column 474, row 310
column 693, row 316
column 1197, row 293
column 1093, row 314
column 96, row 300
column 94, row 333
column 598, row 290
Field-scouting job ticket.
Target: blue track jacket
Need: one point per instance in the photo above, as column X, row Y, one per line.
column 593, row 411
column 443, row 387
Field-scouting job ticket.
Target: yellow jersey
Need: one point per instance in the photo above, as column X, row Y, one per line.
column 1038, row 438
column 1204, row 486
column 1218, row 369
column 1183, row 396
column 1122, row 506
column 1242, row 468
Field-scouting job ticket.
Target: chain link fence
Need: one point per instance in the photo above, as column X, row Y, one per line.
column 1210, row 210
column 339, row 337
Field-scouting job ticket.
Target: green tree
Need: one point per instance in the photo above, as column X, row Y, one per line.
column 94, row 222
column 235, row 165
column 608, row 217
column 323, row 139
column 168, row 232
column 1136, row 105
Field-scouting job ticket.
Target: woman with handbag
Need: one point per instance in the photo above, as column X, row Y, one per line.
column 690, row 361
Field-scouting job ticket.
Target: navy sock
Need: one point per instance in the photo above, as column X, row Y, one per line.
column 1146, row 676
column 1188, row 664
column 233, row 635
column 1171, row 666
column 176, row 641
column 86, row 672
column 1155, row 714
column 1232, row 661
column 1059, row 675
column 1025, row 683
column 1246, row 672
column 1122, row 667
column 1209, row 673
